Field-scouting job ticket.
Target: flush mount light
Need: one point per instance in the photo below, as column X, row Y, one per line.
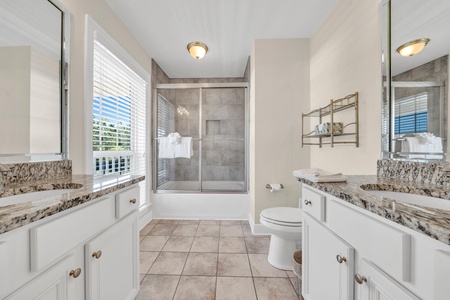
column 197, row 49
column 413, row 47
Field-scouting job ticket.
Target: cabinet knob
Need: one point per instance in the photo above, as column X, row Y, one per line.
column 307, row 202
column 75, row 273
column 360, row 279
column 340, row 259
column 133, row 201
column 97, row 254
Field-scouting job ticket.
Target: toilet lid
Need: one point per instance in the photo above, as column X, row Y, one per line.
column 289, row 215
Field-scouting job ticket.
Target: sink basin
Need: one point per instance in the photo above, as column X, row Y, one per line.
column 28, row 197
column 414, row 199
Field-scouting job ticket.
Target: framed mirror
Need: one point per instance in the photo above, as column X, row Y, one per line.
column 33, row 80
column 415, row 92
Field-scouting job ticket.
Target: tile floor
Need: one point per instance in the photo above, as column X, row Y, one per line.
column 195, row 260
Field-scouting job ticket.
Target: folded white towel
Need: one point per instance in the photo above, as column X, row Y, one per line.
column 425, row 137
column 166, row 149
column 414, row 144
column 174, row 138
column 319, row 175
column 184, row 148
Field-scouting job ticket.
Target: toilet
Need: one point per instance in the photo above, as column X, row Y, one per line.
column 285, row 226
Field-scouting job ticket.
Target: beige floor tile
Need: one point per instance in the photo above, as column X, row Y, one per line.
column 169, row 263
column 185, row 230
column 189, row 222
column 163, row 229
column 274, row 288
column 234, row 288
column 234, row 230
column 153, row 243
column 245, row 222
column 205, row 244
column 146, row 229
column 247, row 230
column 154, row 221
column 233, row 265
column 141, row 238
column 168, row 221
column 201, row 264
column 257, row 245
column 209, row 222
column 146, row 261
column 196, row 288
column 141, row 277
column 208, row 230
column 230, row 222
column 297, row 284
column 232, row 245
column 290, row 274
column 179, row 244
column 261, row 267
column 158, row 287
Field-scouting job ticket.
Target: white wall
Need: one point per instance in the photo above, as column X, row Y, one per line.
column 279, row 94
column 105, row 17
column 345, row 58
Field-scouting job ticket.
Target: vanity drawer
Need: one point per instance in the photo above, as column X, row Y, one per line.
column 387, row 247
column 55, row 238
column 313, row 203
column 127, row 201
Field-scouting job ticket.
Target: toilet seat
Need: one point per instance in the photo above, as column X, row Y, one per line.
column 283, row 216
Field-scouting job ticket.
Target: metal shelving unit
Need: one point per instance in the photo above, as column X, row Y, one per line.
column 335, row 106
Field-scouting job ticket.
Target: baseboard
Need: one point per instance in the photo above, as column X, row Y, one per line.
column 145, row 216
column 257, row 229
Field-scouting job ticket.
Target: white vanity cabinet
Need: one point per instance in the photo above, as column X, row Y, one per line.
column 327, row 263
column 53, row 258
column 389, row 261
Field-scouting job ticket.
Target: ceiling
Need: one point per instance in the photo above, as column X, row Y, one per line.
column 227, row 27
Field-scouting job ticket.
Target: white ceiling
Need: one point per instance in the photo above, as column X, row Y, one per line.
column 227, row 27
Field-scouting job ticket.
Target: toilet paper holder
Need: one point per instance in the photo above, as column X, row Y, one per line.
column 271, row 188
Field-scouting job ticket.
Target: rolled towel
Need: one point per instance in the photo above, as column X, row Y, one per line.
column 425, row 138
column 319, row 175
column 174, row 138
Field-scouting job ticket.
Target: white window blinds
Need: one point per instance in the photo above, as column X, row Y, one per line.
column 411, row 114
column 119, row 115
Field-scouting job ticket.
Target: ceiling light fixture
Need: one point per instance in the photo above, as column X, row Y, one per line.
column 197, row 49
column 413, row 47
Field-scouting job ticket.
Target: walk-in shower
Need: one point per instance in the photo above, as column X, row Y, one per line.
column 215, row 117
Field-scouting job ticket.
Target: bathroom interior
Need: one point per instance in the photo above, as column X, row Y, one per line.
column 224, row 150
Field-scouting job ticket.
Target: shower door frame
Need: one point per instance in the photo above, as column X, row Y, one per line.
column 200, row 87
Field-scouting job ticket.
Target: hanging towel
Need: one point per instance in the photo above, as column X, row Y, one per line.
column 184, row 148
column 319, row 175
column 415, row 144
column 166, row 149
column 174, row 138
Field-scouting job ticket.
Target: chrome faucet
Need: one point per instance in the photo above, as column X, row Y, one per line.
column 3, row 169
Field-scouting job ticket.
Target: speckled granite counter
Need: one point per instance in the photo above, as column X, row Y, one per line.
column 88, row 189
column 432, row 222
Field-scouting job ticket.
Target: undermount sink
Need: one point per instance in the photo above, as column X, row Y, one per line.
column 413, row 199
column 33, row 196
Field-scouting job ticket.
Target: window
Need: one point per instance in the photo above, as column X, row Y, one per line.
column 117, row 111
column 411, row 114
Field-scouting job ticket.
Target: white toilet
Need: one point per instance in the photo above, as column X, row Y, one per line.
column 285, row 226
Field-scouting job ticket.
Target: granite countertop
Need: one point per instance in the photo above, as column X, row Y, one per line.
column 87, row 188
column 432, row 222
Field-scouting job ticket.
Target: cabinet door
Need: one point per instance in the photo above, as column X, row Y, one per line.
column 374, row 284
column 328, row 263
column 112, row 270
column 58, row 283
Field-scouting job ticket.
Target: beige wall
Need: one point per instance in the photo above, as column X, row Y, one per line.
column 101, row 13
column 345, row 58
column 279, row 94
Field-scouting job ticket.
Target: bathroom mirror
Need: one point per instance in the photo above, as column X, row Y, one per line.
column 415, row 92
column 33, row 68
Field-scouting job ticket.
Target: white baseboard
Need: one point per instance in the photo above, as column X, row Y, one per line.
column 145, row 216
column 257, row 229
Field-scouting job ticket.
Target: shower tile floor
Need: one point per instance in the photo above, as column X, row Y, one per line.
column 209, row 259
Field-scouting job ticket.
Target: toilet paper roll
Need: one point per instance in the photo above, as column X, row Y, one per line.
column 275, row 187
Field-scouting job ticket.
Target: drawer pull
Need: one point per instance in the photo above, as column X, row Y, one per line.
column 340, row 259
column 360, row 279
column 97, row 254
column 75, row 273
column 307, row 202
column 133, row 201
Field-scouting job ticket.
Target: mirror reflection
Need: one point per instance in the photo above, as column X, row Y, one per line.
column 30, row 77
column 418, row 125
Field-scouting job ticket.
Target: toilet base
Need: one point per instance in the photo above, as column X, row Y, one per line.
column 281, row 251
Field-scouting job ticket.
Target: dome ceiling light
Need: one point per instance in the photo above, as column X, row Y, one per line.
column 413, row 47
column 197, row 49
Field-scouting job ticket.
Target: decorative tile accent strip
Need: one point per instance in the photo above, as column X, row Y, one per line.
column 36, row 171
column 428, row 173
column 429, row 221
